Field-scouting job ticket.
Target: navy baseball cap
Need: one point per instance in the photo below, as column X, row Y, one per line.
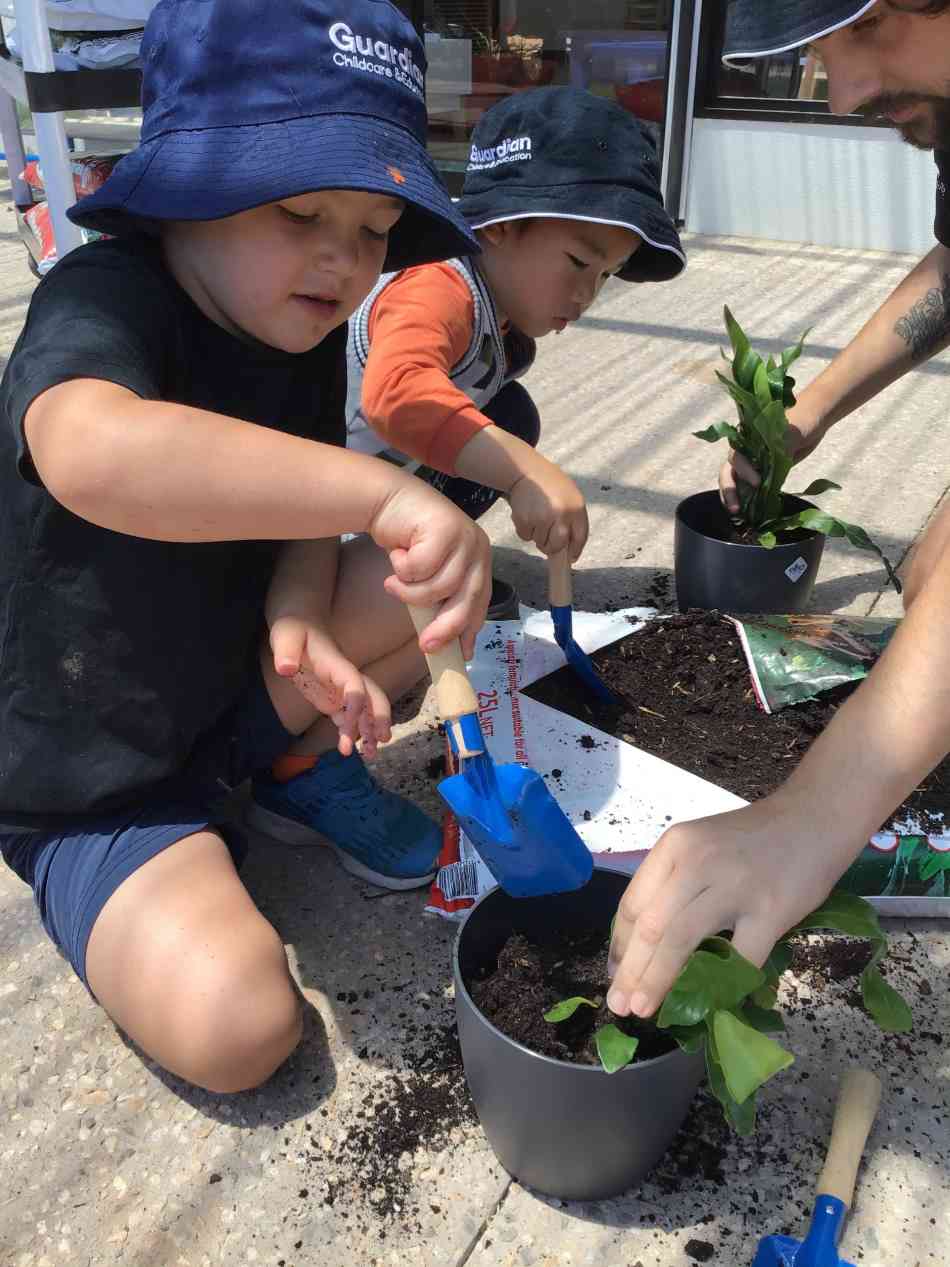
column 567, row 154
column 758, row 28
column 247, row 102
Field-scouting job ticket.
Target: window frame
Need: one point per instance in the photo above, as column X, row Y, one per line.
column 712, row 105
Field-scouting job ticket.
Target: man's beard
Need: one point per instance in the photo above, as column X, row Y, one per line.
column 931, row 131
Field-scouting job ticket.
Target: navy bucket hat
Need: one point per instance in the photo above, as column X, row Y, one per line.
column 247, row 102
column 567, row 154
column 757, row 28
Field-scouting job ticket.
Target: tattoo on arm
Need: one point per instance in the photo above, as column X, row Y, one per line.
column 926, row 326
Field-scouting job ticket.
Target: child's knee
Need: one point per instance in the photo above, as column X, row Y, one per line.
column 247, row 1018
column 514, row 411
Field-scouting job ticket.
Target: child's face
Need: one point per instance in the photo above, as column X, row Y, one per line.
column 545, row 273
column 289, row 272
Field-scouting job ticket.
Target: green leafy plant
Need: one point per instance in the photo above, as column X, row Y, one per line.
column 763, row 390
column 723, row 1005
column 614, row 1047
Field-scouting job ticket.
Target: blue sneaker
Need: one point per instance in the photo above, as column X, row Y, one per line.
column 377, row 835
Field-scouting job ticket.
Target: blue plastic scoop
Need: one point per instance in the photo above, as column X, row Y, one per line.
column 859, row 1095
column 561, row 600
column 522, row 834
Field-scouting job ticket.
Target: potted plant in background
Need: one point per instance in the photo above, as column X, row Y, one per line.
column 766, row 558
column 593, row 1119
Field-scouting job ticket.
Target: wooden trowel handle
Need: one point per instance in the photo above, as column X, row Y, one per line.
column 560, row 587
column 447, row 666
column 859, row 1096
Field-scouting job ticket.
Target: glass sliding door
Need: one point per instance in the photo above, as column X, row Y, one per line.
column 482, row 50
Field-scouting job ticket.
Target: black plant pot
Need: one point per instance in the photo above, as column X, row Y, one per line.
column 733, row 577
column 571, row 1131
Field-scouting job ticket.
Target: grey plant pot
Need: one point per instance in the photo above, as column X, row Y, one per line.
column 571, row 1131
column 733, row 577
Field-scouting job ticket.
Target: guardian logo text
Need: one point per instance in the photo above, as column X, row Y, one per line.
column 513, row 149
column 364, row 52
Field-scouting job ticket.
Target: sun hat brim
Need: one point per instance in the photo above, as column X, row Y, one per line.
column 756, row 29
column 211, row 173
column 660, row 257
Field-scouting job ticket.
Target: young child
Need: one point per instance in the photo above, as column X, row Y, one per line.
column 175, row 410
column 562, row 188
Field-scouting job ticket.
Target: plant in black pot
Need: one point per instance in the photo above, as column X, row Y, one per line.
column 766, row 558
column 581, row 1104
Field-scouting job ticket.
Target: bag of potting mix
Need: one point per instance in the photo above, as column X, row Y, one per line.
column 90, row 172
column 795, row 658
column 621, row 799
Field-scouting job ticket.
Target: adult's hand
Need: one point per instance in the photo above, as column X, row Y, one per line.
column 805, row 433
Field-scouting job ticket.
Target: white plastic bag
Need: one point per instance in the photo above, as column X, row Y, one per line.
column 620, row 798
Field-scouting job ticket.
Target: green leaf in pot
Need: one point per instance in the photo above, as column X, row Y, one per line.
column 566, row 1008
column 763, row 391
column 747, row 1057
column 615, row 1048
column 715, row 976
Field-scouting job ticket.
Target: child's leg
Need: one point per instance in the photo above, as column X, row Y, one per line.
column 513, row 411
column 186, row 965
column 314, row 795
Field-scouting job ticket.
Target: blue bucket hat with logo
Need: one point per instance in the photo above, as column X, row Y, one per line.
column 247, row 102
column 758, row 28
column 568, row 154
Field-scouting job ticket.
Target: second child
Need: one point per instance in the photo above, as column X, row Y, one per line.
column 562, row 190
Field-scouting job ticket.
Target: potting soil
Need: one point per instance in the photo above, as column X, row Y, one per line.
column 530, row 979
column 688, row 698
column 373, row 1143
column 690, row 742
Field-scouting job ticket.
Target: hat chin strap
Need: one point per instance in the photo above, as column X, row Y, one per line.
column 731, row 58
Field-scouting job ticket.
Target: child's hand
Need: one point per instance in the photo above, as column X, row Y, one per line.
column 440, row 558
column 757, row 870
column 548, row 508
column 323, row 675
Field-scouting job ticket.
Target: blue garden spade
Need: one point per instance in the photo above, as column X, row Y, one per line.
column 522, row 834
column 561, row 600
column 858, row 1098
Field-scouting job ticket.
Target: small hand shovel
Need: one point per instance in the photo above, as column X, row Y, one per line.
column 561, row 600
column 858, row 1098
column 524, row 837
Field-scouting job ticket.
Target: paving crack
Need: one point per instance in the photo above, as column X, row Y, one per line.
column 483, row 1226
column 919, row 537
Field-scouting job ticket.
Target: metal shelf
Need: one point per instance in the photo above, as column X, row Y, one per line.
column 12, row 79
column 49, row 93
column 55, row 91
column 82, row 90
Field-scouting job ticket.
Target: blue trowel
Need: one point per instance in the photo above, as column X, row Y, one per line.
column 522, row 834
column 561, row 600
column 859, row 1095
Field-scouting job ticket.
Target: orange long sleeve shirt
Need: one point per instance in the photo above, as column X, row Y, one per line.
column 420, row 327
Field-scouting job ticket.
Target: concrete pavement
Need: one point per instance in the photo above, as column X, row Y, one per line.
column 363, row 1150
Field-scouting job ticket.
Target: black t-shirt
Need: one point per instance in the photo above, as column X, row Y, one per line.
column 942, row 219
column 117, row 653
